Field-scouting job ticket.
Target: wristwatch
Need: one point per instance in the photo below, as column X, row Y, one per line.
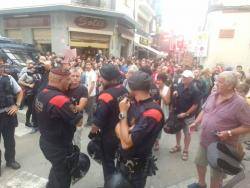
column 230, row 133
column 122, row 115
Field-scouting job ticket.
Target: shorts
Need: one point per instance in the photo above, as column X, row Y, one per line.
column 187, row 121
column 201, row 160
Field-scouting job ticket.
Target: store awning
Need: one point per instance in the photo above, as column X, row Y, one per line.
column 151, row 50
column 72, row 8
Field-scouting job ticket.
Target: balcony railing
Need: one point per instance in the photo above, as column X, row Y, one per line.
column 92, row 3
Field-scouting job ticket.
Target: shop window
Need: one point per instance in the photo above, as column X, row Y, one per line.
column 226, row 33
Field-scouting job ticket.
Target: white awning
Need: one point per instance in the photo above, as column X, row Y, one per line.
column 156, row 52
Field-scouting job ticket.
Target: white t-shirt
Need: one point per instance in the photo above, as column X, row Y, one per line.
column 164, row 107
column 91, row 77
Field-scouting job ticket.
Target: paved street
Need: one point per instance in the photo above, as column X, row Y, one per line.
column 173, row 172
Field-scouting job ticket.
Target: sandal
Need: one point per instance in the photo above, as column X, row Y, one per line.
column 175, row 149
column 184, row 156
column 196, row 185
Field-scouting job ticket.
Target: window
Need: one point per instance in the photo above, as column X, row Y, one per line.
column 18, row 57
column 126, row 3
column 226, row 33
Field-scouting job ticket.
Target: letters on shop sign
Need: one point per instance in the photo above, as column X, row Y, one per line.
column 90, row 23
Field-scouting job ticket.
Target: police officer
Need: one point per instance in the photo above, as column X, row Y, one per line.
column 141, row 120
column 57, row 119
column 10, row 99
column 106, row 116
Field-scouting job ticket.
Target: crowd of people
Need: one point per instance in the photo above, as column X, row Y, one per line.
column 126, row 102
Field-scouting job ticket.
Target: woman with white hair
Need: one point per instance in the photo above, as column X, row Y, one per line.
column 131, row 70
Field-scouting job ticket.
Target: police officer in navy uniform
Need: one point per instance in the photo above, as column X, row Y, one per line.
column 141, row 120
column 106, row 116
column 10, row 99
column 57, row 119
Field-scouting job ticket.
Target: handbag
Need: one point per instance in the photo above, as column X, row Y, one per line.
column 173, row 124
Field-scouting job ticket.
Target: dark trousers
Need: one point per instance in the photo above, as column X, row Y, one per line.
column 59, row 176
column 110, row 146
column 7, row 130
column 34, row 117
column 91, row 105
column 138, row 180
column 29, row 99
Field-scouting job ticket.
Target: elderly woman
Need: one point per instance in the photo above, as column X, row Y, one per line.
column 131, row 70
column 226, row 113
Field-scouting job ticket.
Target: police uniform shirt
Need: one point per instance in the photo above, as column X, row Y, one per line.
column 57, row 117
column 16, row 88
column 106, row 114
column 77, row 93
column 147, row 119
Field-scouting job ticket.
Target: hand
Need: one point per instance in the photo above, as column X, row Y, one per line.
column 13, row 110
column 124, row 105
column 94, row 129
column 175, row 94
column 31, row 85
column 192, row 127
column 181, row 115
column 223, row 136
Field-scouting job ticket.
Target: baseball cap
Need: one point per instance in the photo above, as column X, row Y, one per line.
column 188, row 74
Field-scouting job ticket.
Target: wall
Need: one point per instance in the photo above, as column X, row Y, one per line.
column 126, row 9
column 59, row 32
column 1, row 26
column 229, row 51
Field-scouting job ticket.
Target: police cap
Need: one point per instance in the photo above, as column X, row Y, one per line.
column 140, row 81
column 109, row 72
column 60, row 71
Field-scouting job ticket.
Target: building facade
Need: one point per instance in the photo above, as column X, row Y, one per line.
column 87, row 25
column 228, row 29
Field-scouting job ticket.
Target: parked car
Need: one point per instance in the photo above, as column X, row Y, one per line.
column 16, row 54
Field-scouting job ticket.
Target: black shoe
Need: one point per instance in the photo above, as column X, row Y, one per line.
column 14, row 165
column 28, row 124
column 34, row 130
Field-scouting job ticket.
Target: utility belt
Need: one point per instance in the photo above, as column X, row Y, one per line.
column 129, row 167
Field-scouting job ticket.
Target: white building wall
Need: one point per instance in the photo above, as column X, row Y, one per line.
column 229, row 51
column 127, row 9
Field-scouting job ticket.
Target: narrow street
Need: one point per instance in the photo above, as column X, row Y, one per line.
column 172, row 173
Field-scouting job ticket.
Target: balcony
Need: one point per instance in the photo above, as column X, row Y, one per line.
column 104, row 4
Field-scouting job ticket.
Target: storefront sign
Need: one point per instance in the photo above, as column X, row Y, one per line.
column 143, row 41
column 90, row 22
column 32, row 21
